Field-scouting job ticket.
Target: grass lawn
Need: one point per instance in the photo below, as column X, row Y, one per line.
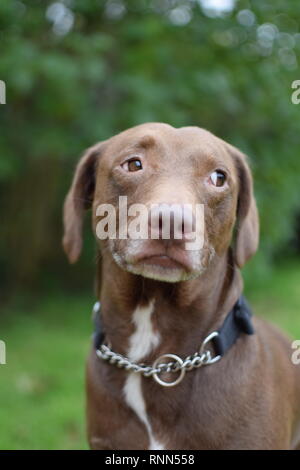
column 42, row 384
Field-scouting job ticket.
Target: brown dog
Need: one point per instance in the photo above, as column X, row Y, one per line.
column 158, row 298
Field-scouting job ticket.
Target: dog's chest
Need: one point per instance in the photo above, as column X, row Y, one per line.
column 142, row 342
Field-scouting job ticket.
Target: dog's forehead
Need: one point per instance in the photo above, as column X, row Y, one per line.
column 184, row 141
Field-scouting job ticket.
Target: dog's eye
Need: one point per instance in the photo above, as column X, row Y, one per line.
column 134, row 164
column 218, row 178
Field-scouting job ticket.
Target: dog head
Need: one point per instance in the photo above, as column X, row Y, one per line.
column 168, row 173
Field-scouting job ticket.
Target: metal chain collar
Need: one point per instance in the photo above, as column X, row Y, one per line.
column 200, row 358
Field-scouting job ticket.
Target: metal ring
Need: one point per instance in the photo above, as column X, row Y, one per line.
column 162, row 382
column 207, row 340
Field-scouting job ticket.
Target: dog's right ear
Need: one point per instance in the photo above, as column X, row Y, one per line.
column 78, row 199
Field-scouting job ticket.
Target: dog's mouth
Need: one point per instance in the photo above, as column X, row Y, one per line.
column 163, row 261
column 171, row 264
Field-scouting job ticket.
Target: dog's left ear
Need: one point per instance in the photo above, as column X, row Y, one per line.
column 247, row 229
column 78, row 199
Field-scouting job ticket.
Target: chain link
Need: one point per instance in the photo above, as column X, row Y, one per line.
column 200, row 358
column 189, row 363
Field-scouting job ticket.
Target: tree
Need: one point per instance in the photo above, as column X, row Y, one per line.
column 78, row 72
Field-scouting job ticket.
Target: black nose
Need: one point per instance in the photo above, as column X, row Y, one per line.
column 171, row 222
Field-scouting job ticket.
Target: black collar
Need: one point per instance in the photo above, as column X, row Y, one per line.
column 237, row 321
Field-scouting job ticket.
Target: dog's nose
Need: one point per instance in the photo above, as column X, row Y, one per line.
column 171, row 222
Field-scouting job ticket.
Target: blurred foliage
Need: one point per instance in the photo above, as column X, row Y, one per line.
column 78, row 71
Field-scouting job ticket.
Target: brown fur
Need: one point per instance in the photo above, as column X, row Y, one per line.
column 248, row 400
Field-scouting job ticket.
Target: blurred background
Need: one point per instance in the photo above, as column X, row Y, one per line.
column 78, row 71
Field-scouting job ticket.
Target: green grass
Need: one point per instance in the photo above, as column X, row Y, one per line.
column 42, row 384
column 277, row 297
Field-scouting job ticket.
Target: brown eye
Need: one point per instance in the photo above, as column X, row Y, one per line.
column 134, row 164
column 218, row 178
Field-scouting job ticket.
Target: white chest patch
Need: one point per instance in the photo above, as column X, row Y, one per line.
column 143, row 340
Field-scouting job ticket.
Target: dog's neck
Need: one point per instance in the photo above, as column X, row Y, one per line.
column 181, row 313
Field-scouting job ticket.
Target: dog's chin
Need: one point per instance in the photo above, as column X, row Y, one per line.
column 158, row 269
column 160, row 273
